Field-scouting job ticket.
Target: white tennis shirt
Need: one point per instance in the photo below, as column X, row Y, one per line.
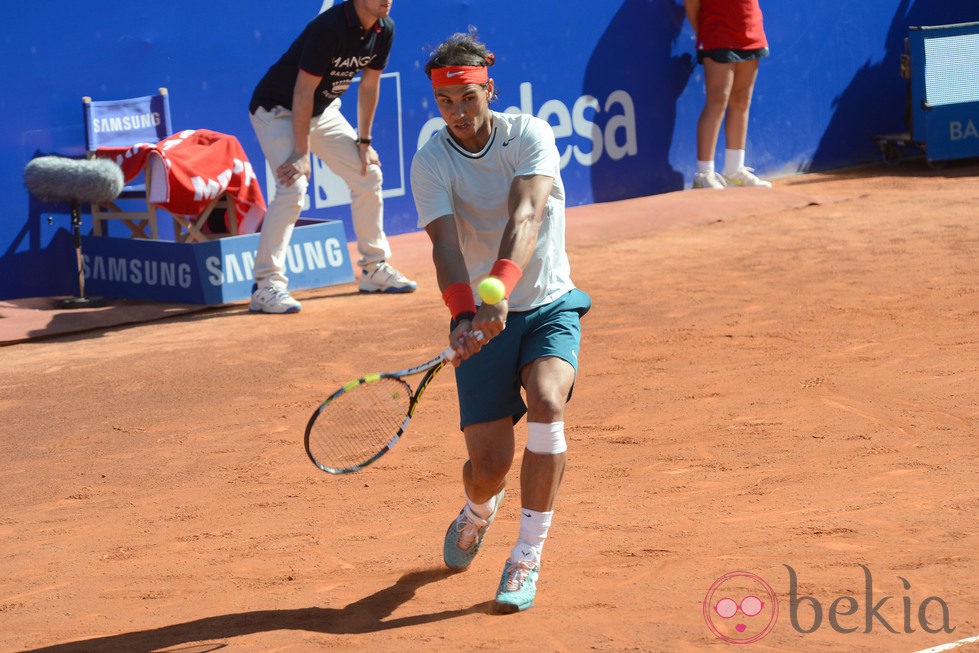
column 474, row 187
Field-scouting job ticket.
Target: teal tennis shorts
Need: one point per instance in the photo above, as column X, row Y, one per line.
column 488, row 383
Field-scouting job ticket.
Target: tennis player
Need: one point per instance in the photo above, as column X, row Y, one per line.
column 488, row 191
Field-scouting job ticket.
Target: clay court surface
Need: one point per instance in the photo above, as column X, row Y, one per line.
column 769, row 380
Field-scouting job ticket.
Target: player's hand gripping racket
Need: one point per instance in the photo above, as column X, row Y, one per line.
column 365, row 418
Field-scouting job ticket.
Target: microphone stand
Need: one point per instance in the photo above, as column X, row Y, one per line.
column 58, row 179
column 82, row 301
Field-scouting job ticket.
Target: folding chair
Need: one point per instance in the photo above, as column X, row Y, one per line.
column 123, row 123
column 220, row 219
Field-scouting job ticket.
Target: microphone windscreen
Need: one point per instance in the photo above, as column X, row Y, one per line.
column 61, row 179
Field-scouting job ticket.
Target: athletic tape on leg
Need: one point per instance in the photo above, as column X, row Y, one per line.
column 546, row 438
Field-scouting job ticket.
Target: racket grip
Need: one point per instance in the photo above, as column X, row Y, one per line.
column 450, row 353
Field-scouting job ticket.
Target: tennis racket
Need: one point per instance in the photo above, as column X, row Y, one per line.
column 366, row 417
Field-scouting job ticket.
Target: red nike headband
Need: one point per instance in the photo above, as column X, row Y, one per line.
column 453, row 75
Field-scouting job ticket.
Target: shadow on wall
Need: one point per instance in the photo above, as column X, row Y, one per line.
column 52, row 274
column 851, row 120
column 636, row 52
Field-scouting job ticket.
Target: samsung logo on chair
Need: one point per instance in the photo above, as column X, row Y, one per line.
column 126, row 123
column 234, row 267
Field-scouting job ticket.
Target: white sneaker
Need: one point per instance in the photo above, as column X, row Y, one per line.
column 273, row 299
column 746, row 177
column 709, row 180
column 384, row 278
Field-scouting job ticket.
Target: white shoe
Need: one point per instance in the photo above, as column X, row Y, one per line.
column 384, row 278
column 709, row 180
column 746, row 177
column 273, row 299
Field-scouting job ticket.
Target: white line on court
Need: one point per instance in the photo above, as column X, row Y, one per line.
column 950, row 646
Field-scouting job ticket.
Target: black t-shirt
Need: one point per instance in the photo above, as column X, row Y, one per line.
column 333, row 46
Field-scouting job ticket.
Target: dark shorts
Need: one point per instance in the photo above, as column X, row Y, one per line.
column 488, row 384
column 729, row 55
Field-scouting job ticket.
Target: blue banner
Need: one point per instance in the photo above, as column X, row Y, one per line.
column 214, row 272
column 617, row 80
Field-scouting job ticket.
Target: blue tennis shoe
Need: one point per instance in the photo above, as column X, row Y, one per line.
column 465, row 536
column 518, row 586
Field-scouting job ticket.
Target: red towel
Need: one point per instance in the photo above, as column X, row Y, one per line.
column 200, row 165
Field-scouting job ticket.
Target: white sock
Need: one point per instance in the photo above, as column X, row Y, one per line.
column 533, row 531
column 705, row 166
column 483, row 510
column 733, row 161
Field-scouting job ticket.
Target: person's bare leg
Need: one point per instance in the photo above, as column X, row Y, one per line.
column 490, row 446
column 718, row 80
column 547, row 382
column 736, row 127
column 739, row 103
column 491, row 449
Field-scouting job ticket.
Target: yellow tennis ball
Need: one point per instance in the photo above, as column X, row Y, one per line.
column 491, row 290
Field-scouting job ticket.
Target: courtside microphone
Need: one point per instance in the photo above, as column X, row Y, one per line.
column 76, row 181
column 61, row 179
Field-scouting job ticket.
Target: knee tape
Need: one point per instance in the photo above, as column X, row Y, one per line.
column 546, row 438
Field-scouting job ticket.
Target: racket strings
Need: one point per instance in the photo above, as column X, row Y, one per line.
column 355, row 426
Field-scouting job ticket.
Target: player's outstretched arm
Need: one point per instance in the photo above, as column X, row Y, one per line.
column 527, row 201
column 454, row 283
column 450, row 266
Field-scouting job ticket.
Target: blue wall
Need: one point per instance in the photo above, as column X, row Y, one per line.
column 615, row 79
